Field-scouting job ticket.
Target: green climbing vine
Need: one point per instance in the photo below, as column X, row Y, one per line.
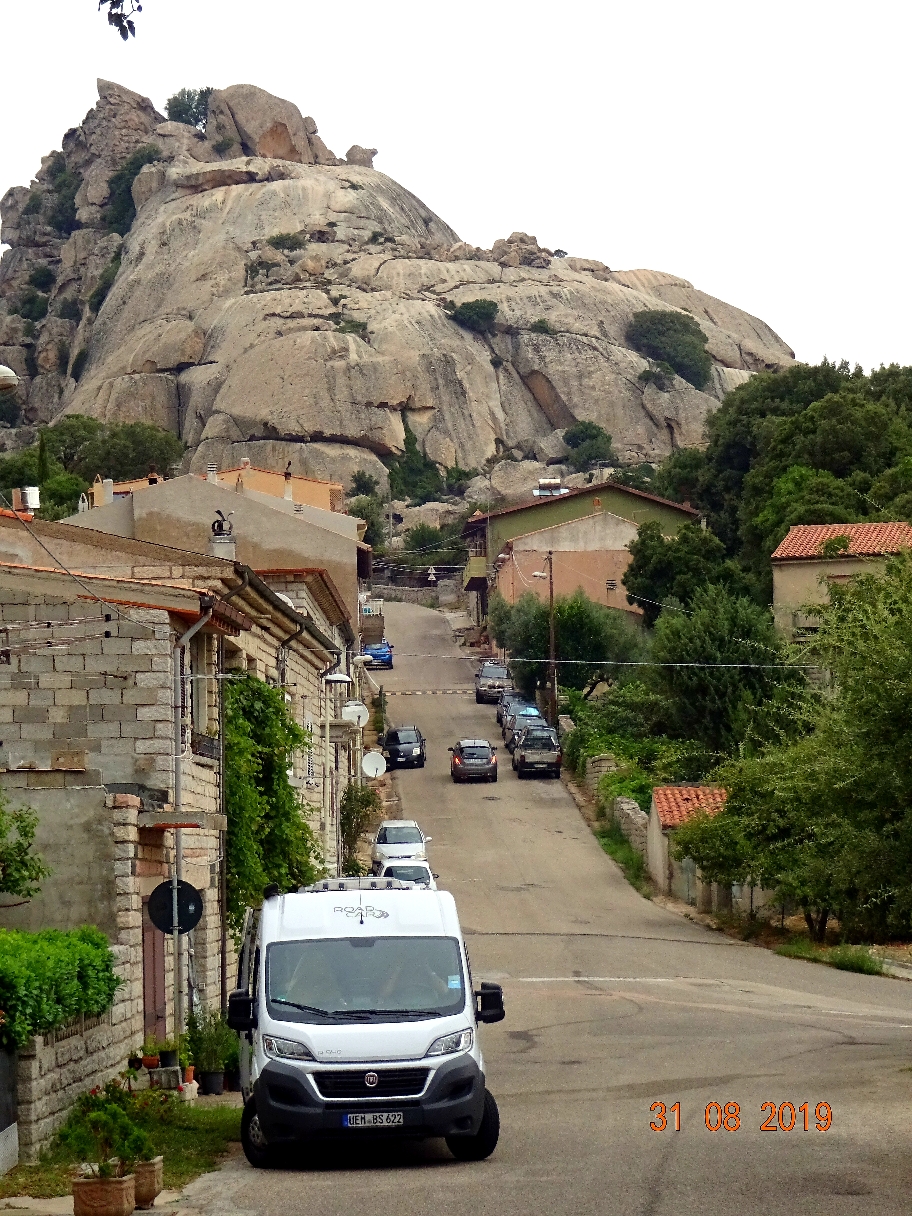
column 269, row 840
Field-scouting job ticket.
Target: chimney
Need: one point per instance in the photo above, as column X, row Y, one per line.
column 211, row 471
column 221, row 543
column 32, row 497
column 83, row 504
column 107, row 490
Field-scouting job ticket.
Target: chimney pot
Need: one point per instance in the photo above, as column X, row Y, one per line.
column 211, row 471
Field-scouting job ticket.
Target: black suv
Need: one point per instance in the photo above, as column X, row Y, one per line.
column 405, row 745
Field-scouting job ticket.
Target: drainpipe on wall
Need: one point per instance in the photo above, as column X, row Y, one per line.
column 207, row 604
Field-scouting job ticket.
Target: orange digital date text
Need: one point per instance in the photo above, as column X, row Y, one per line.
column 726, row 1116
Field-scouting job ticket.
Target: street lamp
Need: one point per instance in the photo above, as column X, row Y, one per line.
column 552, row 665
column 330, row 847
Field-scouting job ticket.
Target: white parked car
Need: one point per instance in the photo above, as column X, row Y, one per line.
column 398, row 840
column 411, row 871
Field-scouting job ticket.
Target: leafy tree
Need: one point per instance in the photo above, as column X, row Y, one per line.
column 64, row 185
column 588, row 638
column 589, row 445
column 21, row 870
column 189, row 106
column 637, row 477
column 32, row 305
column 120, row 210
column 427, row 546
column 673, row 338
column 364, row 484
column 269, row 840
column 125, row 450
column 42, row 277
column 359, row 805
column 476, row 314
column 369, row 508
column 677, row 567
column 703, row 654
column 412, row 475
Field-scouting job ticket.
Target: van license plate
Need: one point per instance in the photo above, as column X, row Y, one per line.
column 374, row 1118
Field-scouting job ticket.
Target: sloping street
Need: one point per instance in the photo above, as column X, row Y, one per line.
column 613, row 1004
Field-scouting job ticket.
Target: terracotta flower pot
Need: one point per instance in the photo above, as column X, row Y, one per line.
column 104, row 1196
column 188, row 1074
column 150, row 1061
column 149, row 1181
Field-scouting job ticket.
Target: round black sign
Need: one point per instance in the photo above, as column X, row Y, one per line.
column 189, row 907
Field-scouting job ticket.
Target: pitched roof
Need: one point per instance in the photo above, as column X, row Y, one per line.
column 602, row 486
column 866, row 540
column 675, row 804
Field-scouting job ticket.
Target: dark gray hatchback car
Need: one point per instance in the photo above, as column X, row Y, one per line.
column 473, row 760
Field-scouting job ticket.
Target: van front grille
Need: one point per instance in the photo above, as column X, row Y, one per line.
column 354, row 1083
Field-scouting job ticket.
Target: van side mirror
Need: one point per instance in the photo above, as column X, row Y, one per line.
column 241, row 1015
column 489, row 1004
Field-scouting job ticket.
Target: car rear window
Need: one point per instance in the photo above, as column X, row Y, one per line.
column 540, row 742
column 477, row 753
column 402, row 736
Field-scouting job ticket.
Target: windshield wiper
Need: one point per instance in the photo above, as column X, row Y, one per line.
column 277, row 1000
column 404, row 1014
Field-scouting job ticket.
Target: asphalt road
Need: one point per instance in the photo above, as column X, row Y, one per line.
column 612, row 1004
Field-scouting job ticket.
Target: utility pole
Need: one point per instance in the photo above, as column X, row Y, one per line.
column 552, row 655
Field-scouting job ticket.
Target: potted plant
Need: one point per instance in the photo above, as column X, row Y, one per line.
column 233, row 1067
column 150, row 1179
column 110, row 1143
column 150, row 1052
column 211, row 1042
column 167, row 1053
column 135, row 1062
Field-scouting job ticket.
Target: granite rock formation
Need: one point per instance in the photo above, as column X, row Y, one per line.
column 273, row 300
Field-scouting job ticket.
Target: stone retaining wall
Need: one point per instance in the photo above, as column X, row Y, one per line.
column 596, row 768
column 632, row 821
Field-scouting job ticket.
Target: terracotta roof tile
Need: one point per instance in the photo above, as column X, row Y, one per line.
column 675, row 804
column 866, row 540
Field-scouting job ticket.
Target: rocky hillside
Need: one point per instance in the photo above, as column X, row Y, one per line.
column 270, row 299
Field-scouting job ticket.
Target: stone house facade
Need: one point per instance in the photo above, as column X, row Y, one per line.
column 90, row 734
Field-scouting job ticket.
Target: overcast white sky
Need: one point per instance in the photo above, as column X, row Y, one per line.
column 759, row 150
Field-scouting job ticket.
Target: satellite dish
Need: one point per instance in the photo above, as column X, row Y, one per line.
column 355, row 711
column 9, row 381
column 189, row 907
column 373, row 764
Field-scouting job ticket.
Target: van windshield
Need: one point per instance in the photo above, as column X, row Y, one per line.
column 372, row 979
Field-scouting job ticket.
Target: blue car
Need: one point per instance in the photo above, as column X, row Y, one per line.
column 380, row 654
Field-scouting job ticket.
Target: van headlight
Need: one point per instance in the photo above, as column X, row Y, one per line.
column 285, row 1049
column 449, row 1044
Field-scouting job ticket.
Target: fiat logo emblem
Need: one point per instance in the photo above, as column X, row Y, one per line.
column 371, row 1080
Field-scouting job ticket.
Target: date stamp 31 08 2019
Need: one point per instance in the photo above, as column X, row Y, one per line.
column 727, row 1116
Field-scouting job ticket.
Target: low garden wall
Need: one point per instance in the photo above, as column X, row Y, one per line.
column 632, row 821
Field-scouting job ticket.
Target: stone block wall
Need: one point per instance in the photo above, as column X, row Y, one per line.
column 632, row 821
column 596, row 768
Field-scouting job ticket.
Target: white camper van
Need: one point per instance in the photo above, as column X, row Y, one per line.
column 358, row 1017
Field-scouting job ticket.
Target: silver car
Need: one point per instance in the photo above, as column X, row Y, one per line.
column 490, row 681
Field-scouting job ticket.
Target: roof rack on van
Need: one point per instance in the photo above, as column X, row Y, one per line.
column 357, row 884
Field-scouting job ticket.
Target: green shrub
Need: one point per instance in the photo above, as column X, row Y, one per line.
column 49, row 977
column 369, row 508
column 662, row 376
column 21, row 870
column 221, row 146
column 375, row 237
column 107, row 1139
column 589, row 445
column 496, row 362
column 32, row 305
column 457, row 479
column 412, row 475
column 209, row 1039
column 120, row 210
column 855, row 958
column 364, row 484
column 104, row 284
column 541, row 326
column 33, row 204
column 69, row 309
column 189, row 106
column 62, row 212
column 42, row 277
column 672, row 338
column 476, row 314
column 79, row 364
column 10, row 409
column 352, row 327
column 359, row 805
column 287, row 240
